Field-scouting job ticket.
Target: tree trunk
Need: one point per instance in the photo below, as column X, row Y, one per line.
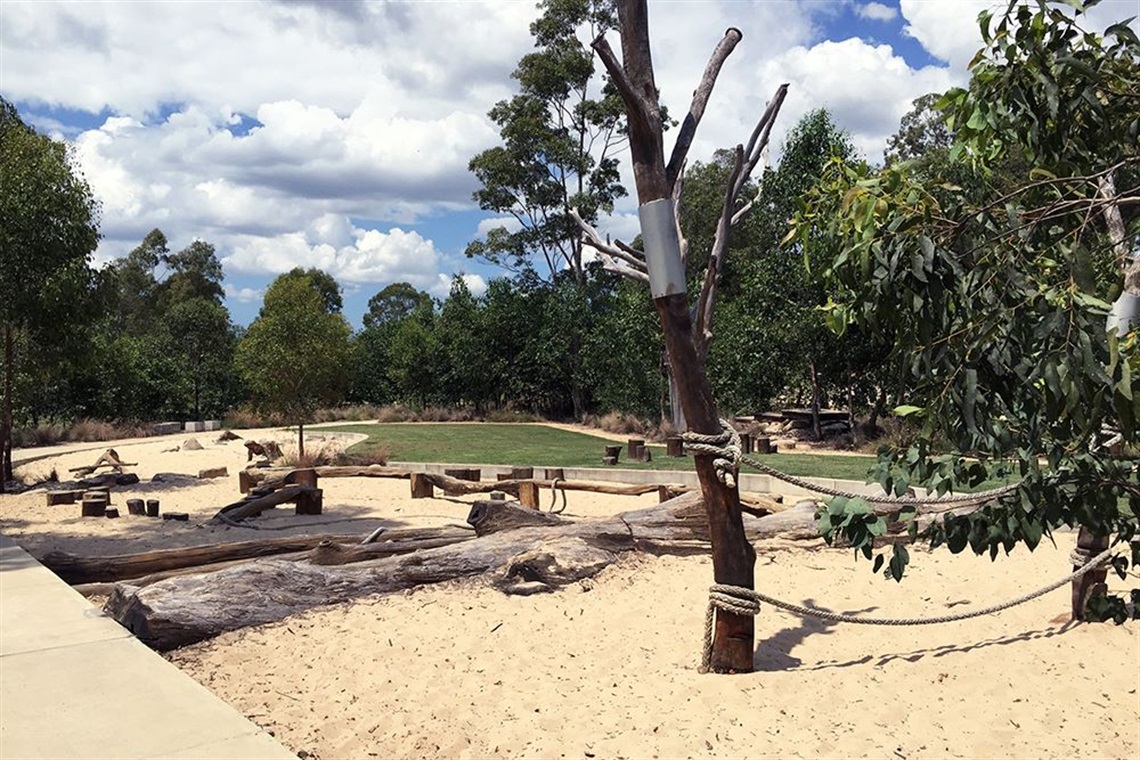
column 300, row 439
column 816, row 427
column 733, row 556
column 6, row 472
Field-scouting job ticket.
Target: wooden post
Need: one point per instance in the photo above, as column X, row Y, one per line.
column 674, row 446
column 245, row 481
column 62, row 497
column 528, row 494
column 111, row 512
column 522, row 473
column 421, row 487
column 152, row 507
column 613, row 452
column 93, row 505
column 1092, row 581
column 463, row 473
column 306, row 477
column 636, row 449
column 733, row 556
column 309, row 502
column 745, row 443
column 552, row 473
column 136, row 507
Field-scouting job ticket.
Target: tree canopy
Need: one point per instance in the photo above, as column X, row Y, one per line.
column 996, row 286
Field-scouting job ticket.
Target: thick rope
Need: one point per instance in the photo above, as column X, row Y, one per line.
column 745, row 601
column 727, row 455
column 554, row 497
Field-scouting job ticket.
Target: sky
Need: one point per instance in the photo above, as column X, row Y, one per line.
column 337, row 134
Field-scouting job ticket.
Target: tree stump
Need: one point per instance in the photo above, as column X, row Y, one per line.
column 609, row 461
column 1088, row 544
column 152, row 507
column 745, row 443
column 136, row 507
column 528, row 494
column 522, row 473
column 552, row 473
column 309, row 502
column 635, row 447
column 306, row 477
column 93, row 505
column 55, row 498
column 421, row 486
column 674, row 446
column 463, row 473
column 179, row 516
column 111, row 512
column 245, row 481
column 764, row 445
column 613, row 452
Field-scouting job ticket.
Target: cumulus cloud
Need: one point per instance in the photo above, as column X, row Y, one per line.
column 876, row 12
column 244, row 295
column 486, row 225
column 442, row 288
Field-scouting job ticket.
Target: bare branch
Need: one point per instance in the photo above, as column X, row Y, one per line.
column 724, row 48
column 759, row 139
column 617, row 257
column 702, row 327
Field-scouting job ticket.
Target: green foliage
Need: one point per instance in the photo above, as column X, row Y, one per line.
column 296, row 355
column 995, row 284
column 48, row 231
column 922, row 132
column 325, row 284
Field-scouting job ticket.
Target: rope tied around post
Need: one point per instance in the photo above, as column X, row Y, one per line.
column 724, row 447
column 746, row 601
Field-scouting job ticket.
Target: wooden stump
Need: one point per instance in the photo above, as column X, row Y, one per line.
column 55, row 498
column 764, row 445
column 528, row 494
column 309, row 502
column 463, row 473
column 213, row 472
column 635, row 447
column 552, row 473
column 179, row 516
column 93, row 505
column 246, row 481
column 152, row 507
column 674, row 446
column 136, row 507
column 614, row 452
column 498, row 496
column 111, row 512
column 306, row 477
column 1093, row 581
column 745, row 443
column 522, row 473
column 421, row 486
column 609, row 461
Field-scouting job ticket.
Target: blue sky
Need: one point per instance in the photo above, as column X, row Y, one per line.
column 337, row 134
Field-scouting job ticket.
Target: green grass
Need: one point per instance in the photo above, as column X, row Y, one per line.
column 540, row 446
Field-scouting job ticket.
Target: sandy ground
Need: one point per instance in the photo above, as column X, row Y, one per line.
column 608, row 668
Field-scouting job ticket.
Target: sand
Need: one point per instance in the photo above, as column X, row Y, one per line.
column 608, row 667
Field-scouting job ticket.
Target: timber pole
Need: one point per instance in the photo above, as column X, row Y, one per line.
column 733, row 556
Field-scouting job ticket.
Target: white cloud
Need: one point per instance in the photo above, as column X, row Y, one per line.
column 244, row 295
column 876, row 12
column 442, row 288
column 486, row 225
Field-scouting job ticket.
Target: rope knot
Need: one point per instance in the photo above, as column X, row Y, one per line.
column 724, row 447
column 735, row 599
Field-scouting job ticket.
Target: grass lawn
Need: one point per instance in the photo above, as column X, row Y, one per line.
column 540, row 446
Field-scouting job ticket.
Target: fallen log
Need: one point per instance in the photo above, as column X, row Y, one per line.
column 517, row 560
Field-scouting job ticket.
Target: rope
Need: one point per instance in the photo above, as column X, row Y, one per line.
column 725, row 448
column 745, row 601
column 554, row 497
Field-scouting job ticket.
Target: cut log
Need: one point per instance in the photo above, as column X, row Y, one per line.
column 213, row 472
column 422, row 487
column 614, row 452
column 674, row 446
column 93, row 505
column 528, row 494
column 550, row 473
column 152, row 507
column 546, row 552
column 136, row 507
column 55, row 498
column 250, row 507
column 522, row 473
column 111, row 512
column 309, row 501
column 80, row 570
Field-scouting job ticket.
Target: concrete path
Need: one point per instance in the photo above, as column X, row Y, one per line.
column 75, row 684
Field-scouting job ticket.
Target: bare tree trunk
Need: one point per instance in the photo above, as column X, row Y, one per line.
column 733, row 555
column 6, row 473
column 300, row 439
column 816, row 428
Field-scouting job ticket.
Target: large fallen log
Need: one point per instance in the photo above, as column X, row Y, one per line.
column 148, row 567
column 255, row 504
column 518, row 560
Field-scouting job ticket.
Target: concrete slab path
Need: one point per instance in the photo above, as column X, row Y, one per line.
column 76, row 684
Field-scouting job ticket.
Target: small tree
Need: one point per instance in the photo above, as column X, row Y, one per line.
column 47, row 235
column 296, row 355
column 996, row 288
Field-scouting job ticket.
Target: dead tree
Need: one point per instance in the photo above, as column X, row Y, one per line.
column 662, row 266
